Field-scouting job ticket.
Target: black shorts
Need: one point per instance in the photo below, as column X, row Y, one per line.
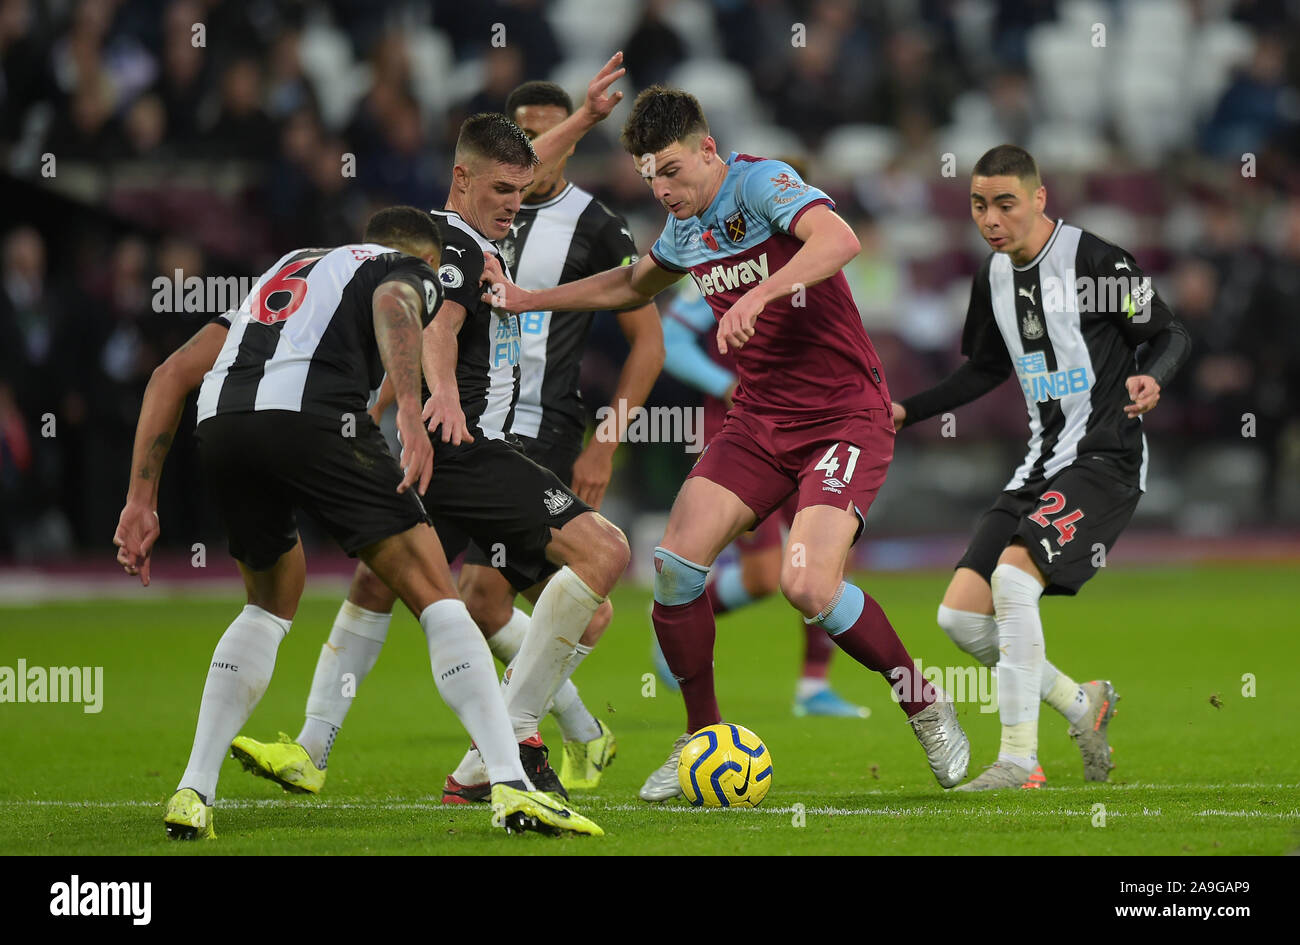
column 559, row 459
column 489, row 493
column 1069, row 524
column 264, row 465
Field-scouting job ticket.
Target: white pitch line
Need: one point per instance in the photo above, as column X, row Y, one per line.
column 886, row 811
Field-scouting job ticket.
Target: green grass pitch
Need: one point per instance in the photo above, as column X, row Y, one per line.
column 1192, row 777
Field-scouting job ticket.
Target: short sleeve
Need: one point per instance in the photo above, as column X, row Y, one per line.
column 419, row 276
column 773, row 191
column 664, row 250
column 460, row 270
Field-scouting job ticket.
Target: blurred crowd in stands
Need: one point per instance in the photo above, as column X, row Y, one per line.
column 139, row 138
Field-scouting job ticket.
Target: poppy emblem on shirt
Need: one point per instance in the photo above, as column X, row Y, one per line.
column 709, row 239
column 735, row 225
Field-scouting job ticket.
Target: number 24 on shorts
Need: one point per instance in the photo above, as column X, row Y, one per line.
column 1053, row 502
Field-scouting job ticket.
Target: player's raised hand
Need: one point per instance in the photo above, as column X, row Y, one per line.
column 499, row 291
column 443, row 409
column 417, row 451
column 137, row 530
column 1144, row 392
column 737, row 326
column 598, row 104
column 900, row 416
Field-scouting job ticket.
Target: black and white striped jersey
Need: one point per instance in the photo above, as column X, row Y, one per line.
column 304, row 338
column 487, row 364
column 1068, row 324
column 567, row 237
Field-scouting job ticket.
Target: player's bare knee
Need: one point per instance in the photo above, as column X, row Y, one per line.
column 369, row 591
column 598, row 624
column 597, row 550
column 807, row 592
column 486, row 607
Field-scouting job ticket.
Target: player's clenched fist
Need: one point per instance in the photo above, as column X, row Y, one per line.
column 737, row 326
column 1144, row 392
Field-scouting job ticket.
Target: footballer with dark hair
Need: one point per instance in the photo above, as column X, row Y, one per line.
column 811, row 414
column 1092, row 345
column 486, row 489
column 560, row 233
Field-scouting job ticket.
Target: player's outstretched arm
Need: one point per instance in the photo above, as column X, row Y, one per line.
column 594, row 467
column 972, row 380
column 619, row 288
column 397, row 315
column 828, row 245
column 160, row 414
column 441, row 350
column 552, row 146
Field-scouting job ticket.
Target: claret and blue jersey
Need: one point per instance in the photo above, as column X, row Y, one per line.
column 810, row 354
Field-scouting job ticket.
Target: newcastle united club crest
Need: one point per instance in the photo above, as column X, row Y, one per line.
column 1032, row 326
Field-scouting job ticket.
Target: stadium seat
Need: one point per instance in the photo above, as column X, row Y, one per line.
column 1063, row 146
column 591, row 29
column 724, row 89
column 432, row 60
column 1112, row 223
column 851, row 151
column 326, row 57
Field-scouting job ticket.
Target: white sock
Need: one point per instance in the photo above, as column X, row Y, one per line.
column 239, row 673
column 354, row 644
column 467, row 681
column 576, row 722
column 562, row 613
column 471, row 770
column 505, row 643
column 977, row 634
column 1067, row 697
column 809, row 686
column 1020, row 640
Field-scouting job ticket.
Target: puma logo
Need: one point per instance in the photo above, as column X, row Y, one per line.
column 1122, row 265
column 516, row 227
column 1051, row 555
column 458, row 250
column 1028, row 293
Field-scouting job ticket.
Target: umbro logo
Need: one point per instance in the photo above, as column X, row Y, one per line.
column 1028, row 293
column 1051, row 555
column 833, row 485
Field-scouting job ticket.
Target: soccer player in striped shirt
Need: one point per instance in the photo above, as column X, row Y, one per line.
column 811, row 415
column 1092, row 345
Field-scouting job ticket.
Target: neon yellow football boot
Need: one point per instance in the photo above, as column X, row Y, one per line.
column 584, row 762
column 285, row 762
column 518, row 811
column 188, row 817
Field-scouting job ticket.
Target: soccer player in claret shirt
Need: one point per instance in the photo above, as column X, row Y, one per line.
column 1066, row 311
column 811, row 415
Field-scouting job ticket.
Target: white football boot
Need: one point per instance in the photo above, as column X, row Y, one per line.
column 662, row 785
